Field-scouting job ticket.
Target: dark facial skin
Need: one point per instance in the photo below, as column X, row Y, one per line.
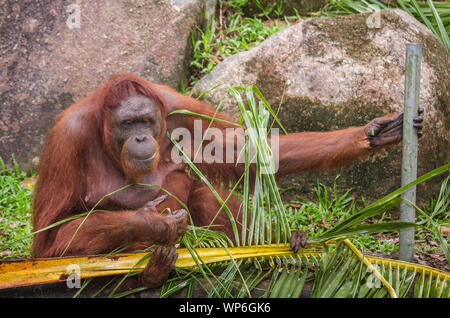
column 135, row 127
column 385, row 131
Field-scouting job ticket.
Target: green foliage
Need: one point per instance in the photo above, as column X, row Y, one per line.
column 329, row 208
column 15, row 212
column 378, row 244
column 229, row 34
column 267, row 215
column 437, row 214
column 316, row 217
column 241, row 34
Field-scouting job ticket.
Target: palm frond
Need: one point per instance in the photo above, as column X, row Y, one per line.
column 339, row 273
column 428, row 282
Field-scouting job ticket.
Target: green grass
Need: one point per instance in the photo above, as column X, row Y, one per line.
column 329, row 208
column 316, row 217
column 228, row 33
column 15, row 212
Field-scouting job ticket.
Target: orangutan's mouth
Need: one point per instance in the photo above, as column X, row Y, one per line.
column 147, row 159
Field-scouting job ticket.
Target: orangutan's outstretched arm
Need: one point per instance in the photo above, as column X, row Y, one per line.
column 327, row 150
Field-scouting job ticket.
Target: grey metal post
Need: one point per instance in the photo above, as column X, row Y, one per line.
column 409, row 161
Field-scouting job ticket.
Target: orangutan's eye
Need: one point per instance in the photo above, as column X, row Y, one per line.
column 148, row 120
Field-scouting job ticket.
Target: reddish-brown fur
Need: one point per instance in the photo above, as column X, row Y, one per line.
column 78, row 168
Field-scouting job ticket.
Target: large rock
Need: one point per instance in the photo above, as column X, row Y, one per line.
column 341, row 72
column 49, row 58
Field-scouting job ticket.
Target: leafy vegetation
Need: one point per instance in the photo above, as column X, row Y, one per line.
column 435, row 217
column 15, row 212
column 345, row 273
column 228, row 33
column 329, row 208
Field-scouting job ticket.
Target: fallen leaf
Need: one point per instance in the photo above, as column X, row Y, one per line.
column 434, row 243
column 29, row 182
column 445, row 231
column 392, row 241
column 5, row 253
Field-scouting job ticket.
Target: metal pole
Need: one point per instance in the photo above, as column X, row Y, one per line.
column 409, row 160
